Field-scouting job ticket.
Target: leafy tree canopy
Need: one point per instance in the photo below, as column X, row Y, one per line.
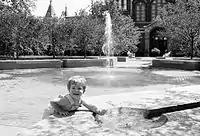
column 19, row 5
column 182, row 24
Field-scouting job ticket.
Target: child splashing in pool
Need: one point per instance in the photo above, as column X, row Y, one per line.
column 71, row 101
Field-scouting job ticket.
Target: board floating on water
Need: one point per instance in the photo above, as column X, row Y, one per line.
column 158, row 112
column 129, row 118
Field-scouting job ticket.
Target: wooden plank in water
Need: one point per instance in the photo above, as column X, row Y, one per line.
column 158, row 112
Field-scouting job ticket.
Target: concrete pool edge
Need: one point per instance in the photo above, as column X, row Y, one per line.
column 171, row 63
column 55, row 63
column 29, row 64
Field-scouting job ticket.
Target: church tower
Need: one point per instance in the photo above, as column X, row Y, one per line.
column 50, row 11
column 64, row 13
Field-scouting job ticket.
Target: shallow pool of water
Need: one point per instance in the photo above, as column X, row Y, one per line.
column 26, row 92
column 106, row 77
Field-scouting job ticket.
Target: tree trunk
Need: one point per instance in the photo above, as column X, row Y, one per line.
column 16, row 54
column 192, row 47
column 85, row 46
column 17, row 51
column 84, row 51
column 53, row 43
column 54, row 51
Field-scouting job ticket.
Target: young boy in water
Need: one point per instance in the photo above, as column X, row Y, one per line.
column 72, row 101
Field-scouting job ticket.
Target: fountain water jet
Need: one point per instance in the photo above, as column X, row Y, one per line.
column 107, row 48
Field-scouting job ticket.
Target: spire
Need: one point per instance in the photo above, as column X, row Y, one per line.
column 50, row 11
column 65, row 13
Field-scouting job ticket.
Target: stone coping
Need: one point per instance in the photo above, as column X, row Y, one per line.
column 57, row 63
column 29, row 64
column 71, row 63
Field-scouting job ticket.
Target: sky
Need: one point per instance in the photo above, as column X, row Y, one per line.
column 59, row 6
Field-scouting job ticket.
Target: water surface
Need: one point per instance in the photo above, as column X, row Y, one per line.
column 26, row 92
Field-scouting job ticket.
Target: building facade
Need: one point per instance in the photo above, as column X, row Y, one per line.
column 145, row 14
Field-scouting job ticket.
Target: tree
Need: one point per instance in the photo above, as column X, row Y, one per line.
column 65, row 28
column 33, row 43
column 5, row 33
column 97, row 39
column 16, row 26
column 83, row 32
column 20, row 6
column 182, row 24
column 126, row 34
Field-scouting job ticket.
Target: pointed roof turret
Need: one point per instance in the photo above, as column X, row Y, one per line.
column 64, row 13
column 50, row 11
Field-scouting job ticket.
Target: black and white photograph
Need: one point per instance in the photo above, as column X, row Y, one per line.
column 100, row 67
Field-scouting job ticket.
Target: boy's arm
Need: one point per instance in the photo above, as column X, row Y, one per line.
column 58, row 103
column 94, row 108
column 55, row 105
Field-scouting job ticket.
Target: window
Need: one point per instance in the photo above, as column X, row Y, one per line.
column 118, row 4
column 122, row 4
column 155, row 6
column 125, row 5
column 153, row 11
column 140, row 12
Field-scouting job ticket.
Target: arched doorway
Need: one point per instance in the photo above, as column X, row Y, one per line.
column 157, row 41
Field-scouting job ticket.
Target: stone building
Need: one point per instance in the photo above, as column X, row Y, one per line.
column 145, row 14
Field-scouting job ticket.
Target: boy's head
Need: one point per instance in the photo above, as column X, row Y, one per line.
column 77, row 81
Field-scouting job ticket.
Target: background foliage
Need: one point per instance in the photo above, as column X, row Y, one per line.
column 182, row 26
column 83, row 34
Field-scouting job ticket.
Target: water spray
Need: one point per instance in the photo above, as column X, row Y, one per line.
column 107, row 48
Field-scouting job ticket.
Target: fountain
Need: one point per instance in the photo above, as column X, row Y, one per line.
column 107, row 48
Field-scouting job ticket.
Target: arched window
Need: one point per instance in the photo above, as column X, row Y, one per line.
column 155, row 6
column 122, row 4
column 153, row 10
column 140, row 12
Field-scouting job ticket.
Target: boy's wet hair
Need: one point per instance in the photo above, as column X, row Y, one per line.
column 77, row 80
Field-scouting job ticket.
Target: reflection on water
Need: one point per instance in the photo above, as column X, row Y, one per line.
column 115, row 77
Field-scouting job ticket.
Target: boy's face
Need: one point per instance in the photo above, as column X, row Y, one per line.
column 76, row 91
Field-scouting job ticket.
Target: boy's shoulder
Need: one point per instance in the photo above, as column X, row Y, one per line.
column 61, row 100
column 61, row 96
